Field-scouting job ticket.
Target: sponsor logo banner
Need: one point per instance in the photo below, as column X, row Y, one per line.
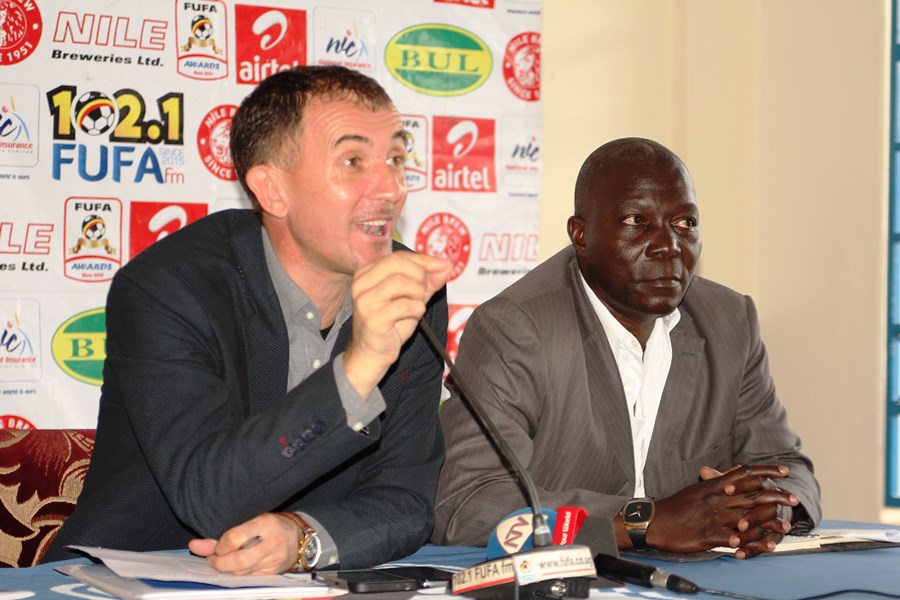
column 463, row 154
column 444, row 234
column 20, row 338
column 20, row 30
column 268, row 40
column 213, row 139
column 109, row 39
column 438, row 60
column 417, row 142
column 344, row 37
column 19, row 125
column 521, row 153
column 522, row 66
column 27, row 240
column 93, row 234
column 152, row 221
column 15, row 422
column 458, row 317
column 79, row 346
column 202, row 34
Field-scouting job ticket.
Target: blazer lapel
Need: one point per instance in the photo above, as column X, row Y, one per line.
column 677, row 400
column 604, row 382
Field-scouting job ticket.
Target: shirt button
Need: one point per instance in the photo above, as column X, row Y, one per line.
column 317, row 363
column 310, row 316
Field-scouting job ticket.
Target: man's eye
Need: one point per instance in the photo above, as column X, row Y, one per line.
column 688, row 223
column 354, row 162
column 397, row 161
column 634, row 220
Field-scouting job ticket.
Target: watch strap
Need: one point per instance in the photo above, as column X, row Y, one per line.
column 307, row 535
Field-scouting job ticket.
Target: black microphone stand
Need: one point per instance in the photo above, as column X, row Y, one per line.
column 544, row 572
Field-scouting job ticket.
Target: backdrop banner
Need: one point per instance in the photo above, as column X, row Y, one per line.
column 114, row 126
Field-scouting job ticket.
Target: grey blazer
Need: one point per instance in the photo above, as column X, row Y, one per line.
column 539, row 362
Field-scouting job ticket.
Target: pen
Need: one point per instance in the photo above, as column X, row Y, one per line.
column 251, row 542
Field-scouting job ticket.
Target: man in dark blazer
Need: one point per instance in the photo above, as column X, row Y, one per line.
column 611, row 354
column 267, row 399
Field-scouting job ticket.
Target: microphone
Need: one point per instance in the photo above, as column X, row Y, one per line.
column 626, row 571
column 545, row 572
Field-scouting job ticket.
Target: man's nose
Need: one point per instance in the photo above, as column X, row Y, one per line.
column 389, row 183
column 664, row 242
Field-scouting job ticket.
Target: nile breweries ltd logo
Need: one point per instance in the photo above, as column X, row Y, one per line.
column 438, row 60
column 79, row 346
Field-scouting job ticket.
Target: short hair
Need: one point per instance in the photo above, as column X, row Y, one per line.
column 609, row 157
column 272, row 114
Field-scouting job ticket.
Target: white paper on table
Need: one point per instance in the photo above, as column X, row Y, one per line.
column 172, row 566
column 875, row 535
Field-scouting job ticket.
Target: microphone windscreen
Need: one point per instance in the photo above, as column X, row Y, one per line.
column 598, row 534
column 514, row 532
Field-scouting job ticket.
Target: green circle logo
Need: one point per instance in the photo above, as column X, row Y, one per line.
column 438, row 60
column 79, row 346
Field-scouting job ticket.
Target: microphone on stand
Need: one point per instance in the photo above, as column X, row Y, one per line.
column 542, row 572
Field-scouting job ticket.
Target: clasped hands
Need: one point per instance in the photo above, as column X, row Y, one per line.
column 738, row 508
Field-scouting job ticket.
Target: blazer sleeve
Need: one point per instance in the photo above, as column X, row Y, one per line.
column 762, row 432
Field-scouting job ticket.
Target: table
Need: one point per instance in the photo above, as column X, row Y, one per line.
column 772, row 577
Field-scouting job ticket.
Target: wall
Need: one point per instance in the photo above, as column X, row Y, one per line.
column 780, row 111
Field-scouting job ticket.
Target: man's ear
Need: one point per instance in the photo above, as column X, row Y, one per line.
column 265, row 183
column 575, row 227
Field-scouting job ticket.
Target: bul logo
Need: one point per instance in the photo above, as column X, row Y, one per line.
column 79, row 346
column 438, row 60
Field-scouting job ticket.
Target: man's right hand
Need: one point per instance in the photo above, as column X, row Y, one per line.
column 736, row 509
column 389, row 297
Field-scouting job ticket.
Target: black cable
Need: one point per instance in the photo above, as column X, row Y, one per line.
column 539, row 523
column 817, row 597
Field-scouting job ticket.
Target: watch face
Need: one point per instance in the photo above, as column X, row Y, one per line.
column 638, row 512
column 311, row 550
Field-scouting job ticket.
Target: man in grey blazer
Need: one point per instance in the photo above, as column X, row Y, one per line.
column 625, row 384
column 267, row 400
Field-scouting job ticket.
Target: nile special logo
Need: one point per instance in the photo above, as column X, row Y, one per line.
column 79, row 346
column 438, row 60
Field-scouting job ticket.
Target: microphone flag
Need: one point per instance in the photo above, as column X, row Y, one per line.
column 514, row 533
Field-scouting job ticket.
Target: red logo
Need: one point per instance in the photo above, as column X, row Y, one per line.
column 522, row 66
column 36, row 239
column 20, row 30
column 472, row 3
column 444, row 234
column 268, row 40
column 463, row 155
column 152, row 221
column 212, row 141
column 458, row 317
column 15, row 422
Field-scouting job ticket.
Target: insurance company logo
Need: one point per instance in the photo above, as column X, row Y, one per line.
column 15, row 422
column 463, row 155
column 202, row 34
column 20, row 335
column 417, row 142
column 213, row 137
column 438, row 60
column 26, row 240
column 268, row 40
column 152, row 221
column 522, row 66
column 101, row 136
column 458, row 317
column 79, row 346
column 444, row 234
column 93, row 235
column 20, row 30
column 471, row 3
column 19, row 125
column 344, row 37
column 521, row 152
column 109, row 39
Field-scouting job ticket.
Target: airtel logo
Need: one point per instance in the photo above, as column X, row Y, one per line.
column 460, row 131
column 267, row 21
column 152, row 221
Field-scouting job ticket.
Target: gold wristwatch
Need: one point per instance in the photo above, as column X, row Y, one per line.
column 309, row 547
column 637, row 515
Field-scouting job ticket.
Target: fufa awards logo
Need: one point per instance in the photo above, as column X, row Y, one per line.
column 79, row 346
column 202, row 34
column 93, row 233
column 416, row 128
column 438, row 60
column 20, row 30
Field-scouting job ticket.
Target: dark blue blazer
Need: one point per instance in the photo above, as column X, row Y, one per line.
column 196, row 433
